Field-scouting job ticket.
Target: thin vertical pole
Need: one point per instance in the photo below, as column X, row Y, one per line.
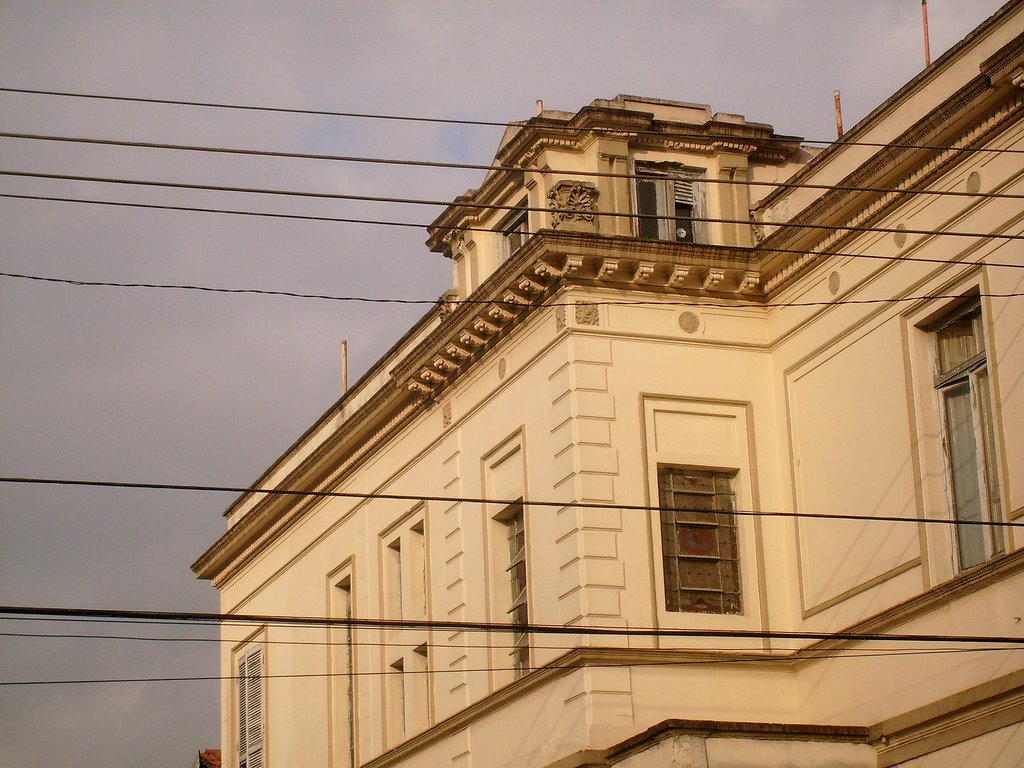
column 924, row 21
column 344, row 366
column 839, row 114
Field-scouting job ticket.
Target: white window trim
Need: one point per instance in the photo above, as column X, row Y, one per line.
column 250, row 701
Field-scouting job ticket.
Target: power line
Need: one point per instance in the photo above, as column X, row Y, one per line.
column 605, row 664
column 824, row 652
column 493, row 206
column 482, row 302
column 487, row 167
column 414, row 225
column 540, row 122
column 478, row 500
column 493, row 627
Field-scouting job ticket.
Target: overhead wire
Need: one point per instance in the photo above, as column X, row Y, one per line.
column 124, row 143
column 363, row 643
column 755, row 659
column 483, row 302
column 31, row 612
column 487, row 501
column 497, row 206
column 538, row 122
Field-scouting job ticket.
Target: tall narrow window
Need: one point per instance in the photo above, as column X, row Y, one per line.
column 514, row 231
column 699, row 543
column 394, row 578
column 670, row 203
column 961, row 379
column 250, row 708
column 396, row 702
column 514, row 520
column 343, row 669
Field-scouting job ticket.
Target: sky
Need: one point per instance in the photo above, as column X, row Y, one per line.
column 156, row 386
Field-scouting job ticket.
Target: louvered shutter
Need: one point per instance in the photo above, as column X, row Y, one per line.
column 254, row 708
column 684, row 192
column 242, row 685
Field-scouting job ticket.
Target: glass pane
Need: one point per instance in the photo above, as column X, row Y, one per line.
column 647, row 206
column 984, row 393
column 958, row 342
column 963, row 469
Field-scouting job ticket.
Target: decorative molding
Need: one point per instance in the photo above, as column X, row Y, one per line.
column 573, row 264
column 922, row 173
column 572, row 202
column 560, row 317
column 448, row 302
column 587, row 314
column 713, row 278
column 679, row 275
column 607, row 269
column 749, row 281
column 644, row 272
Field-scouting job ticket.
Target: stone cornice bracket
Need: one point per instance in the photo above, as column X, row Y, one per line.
column 607, row 269
column 456, row 352
column 448, row 302
column 544, row 270
column 748, row 282
column 573, row 205
column 529, row 286
column 499, row 314
column 644, row 271
column 444, row 364
column 453, row 238
column 419, row 388
column 679, row 275
column 431, row 376
column 573, row 264
column 713, row 278
column 513, row 298
column 484, row 328
column 1017, row 77
column 470, row 340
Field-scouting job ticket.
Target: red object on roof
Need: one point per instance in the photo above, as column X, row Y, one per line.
column 209, row 758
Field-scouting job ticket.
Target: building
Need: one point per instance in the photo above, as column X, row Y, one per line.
column 648, row 327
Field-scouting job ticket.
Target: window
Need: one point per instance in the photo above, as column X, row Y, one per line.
column 342, row 671
column 250, row 708
column 670, row 203
column 514, row 520
column 699, row 540
column 514, row 231
column 961, row 380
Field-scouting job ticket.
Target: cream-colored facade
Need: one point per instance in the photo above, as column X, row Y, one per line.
column 500, row 457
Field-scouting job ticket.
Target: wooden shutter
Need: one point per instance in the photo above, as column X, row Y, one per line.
column 254, row 707
column 241, row 683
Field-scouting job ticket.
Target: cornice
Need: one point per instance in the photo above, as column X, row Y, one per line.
column 467, row 331
column 641, row 129
column 917, row 168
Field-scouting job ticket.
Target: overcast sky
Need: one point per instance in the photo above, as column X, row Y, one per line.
column 177, row 387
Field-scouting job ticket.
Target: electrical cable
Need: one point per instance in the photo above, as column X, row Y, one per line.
column 496, row 206
column 539, row 122
column 482, row 302
column 490, row 168
column 30, row 612
column 824, row 652
column 607, row 664
column 412, row 225
column 479, row 500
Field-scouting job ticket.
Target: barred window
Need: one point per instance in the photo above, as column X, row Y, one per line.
column 700, row 551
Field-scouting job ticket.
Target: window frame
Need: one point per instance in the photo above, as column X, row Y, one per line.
column 726, row 537
column 664, row 177
column 514, row 226
column 250, row 751
column 513, row 522
column 972, row 373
